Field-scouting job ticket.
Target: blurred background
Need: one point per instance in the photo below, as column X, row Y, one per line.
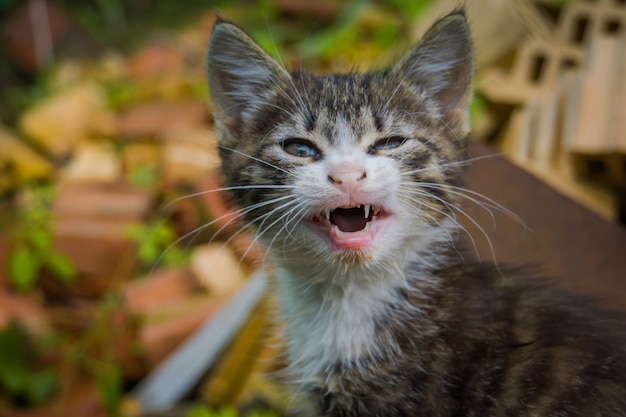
column 127, row 288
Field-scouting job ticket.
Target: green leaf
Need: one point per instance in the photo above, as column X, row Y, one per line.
column 41, row 240
column 24, row 267
column 148, row 252
column 16, row 377
column 40, row 386
column 110, row 388
column 144, row 176
column 199, row 411
column 61, row 267
column 134, row 231
column 13, row 352
column 477, row 107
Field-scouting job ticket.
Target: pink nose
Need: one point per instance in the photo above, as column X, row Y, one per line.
column 347, row 180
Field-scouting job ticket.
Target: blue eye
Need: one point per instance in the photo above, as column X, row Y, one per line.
column 387, row 144
column 301, row 148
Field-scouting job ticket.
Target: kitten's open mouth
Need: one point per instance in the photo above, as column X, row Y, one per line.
column 353, row 219
column 351, row 227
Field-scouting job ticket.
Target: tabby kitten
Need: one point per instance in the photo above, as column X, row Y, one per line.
column 352, row 182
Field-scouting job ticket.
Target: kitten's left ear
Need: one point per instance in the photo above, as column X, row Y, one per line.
column 442, row 63
column 240, row 72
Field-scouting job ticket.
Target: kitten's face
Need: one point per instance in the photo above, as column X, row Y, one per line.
column 351, row 168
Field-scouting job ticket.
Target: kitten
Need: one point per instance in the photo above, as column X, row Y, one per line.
column 352, row 182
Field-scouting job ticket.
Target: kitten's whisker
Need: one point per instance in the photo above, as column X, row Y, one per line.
column 421, row 203
column 399, row 85
column 258, row 160
column 232, row 217
column 194, row 233
column 449, row 215
column 450, row 164
column 475, row 197
column 476, row 224
column 245, row 211
column 261, row 230
column 494, row 204
column 302, row 106
column 485, row 206
column 306, row 92
column 261, row 227
column 221, row 189
column 263, row 217
column 452, row 217
column 299, row 108
column 278, row 56
column 301, row 208
column 259, row 102
column 440, row 120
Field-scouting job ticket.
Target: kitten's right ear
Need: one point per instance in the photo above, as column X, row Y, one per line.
column 240, row 72
column 441, row 64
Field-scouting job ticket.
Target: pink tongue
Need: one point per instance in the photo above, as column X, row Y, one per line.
column 348, row 220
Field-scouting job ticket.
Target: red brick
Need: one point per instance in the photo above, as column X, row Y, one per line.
column 23, row 309
column 101, row 201
column 156, row 119
column 149, row 294
column 155, row 60
column 89, row 227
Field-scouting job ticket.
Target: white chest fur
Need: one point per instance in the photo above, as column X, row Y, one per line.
column 334, row 323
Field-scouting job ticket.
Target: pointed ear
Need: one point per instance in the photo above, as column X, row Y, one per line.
column 442, row 64
column 240, row 72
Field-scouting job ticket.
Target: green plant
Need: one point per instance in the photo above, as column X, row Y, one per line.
column 32, row 248
column 156, row 244
column 204, row 411
column 477, row 107
column 20, row 380
column 110, row 387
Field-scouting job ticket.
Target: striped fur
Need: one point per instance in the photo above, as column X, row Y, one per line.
column 397, row 324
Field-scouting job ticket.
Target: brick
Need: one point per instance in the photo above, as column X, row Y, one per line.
column 580, row 22
column 20, row 159
column 189, row 156
column 119, row 202
column 536, row 68
column 23, row 309
column 47, row 123
column 154, row 120
column 598, row 142
column 220, row 212
column 149, row 294
column 217, row 268
column 138, row 156
column 89, row 227
column 155, row 60
column 92, row 163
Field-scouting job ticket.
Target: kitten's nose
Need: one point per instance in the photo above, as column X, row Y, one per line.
column 347, row 180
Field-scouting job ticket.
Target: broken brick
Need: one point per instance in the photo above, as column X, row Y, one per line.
column 154, row 120
column 89, row 227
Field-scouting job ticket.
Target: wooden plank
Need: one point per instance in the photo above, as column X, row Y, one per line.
column 170, row 381
column 561, row 238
